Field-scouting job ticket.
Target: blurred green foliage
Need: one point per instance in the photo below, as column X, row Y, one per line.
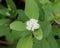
column 13, row 24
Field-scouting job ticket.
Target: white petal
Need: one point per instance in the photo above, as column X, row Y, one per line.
column 32, row 24
column 28, row 28
column 27, row 23
column 34, row 20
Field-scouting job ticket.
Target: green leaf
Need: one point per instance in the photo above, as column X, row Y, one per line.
column 56, row 7
column 48, row 42
column 48, row 12
column 52, row 42
column 25, row 42
column 16, row 35
column 58, row 41
column 44, row 1
column 41, row 11
column 11, row 8
column 13, row 36
column 52, row 1
column 4, row 11
column 46, row 28
column 41, row 44
column 10, row 4
column 3, row 21
column 45, row 44
column 38, row 34
column 31, row 9
column 55, row 30
column 0, row 0
column 4, row 30
column 22, row 16
column 18, row 26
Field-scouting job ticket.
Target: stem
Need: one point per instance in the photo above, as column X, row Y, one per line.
column 7, row 43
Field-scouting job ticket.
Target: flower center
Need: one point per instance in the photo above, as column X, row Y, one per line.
column 32, row 24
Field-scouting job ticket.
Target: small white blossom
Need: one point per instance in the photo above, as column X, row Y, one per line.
column 32, row 24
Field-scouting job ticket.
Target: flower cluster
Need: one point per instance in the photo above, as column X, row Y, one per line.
column 32, row 24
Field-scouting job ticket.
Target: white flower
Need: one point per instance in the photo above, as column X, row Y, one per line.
column 32, row 24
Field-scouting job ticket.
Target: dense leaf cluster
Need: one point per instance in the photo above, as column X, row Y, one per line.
column 13, row 24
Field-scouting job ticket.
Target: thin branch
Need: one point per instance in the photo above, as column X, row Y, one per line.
column 7, row 43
